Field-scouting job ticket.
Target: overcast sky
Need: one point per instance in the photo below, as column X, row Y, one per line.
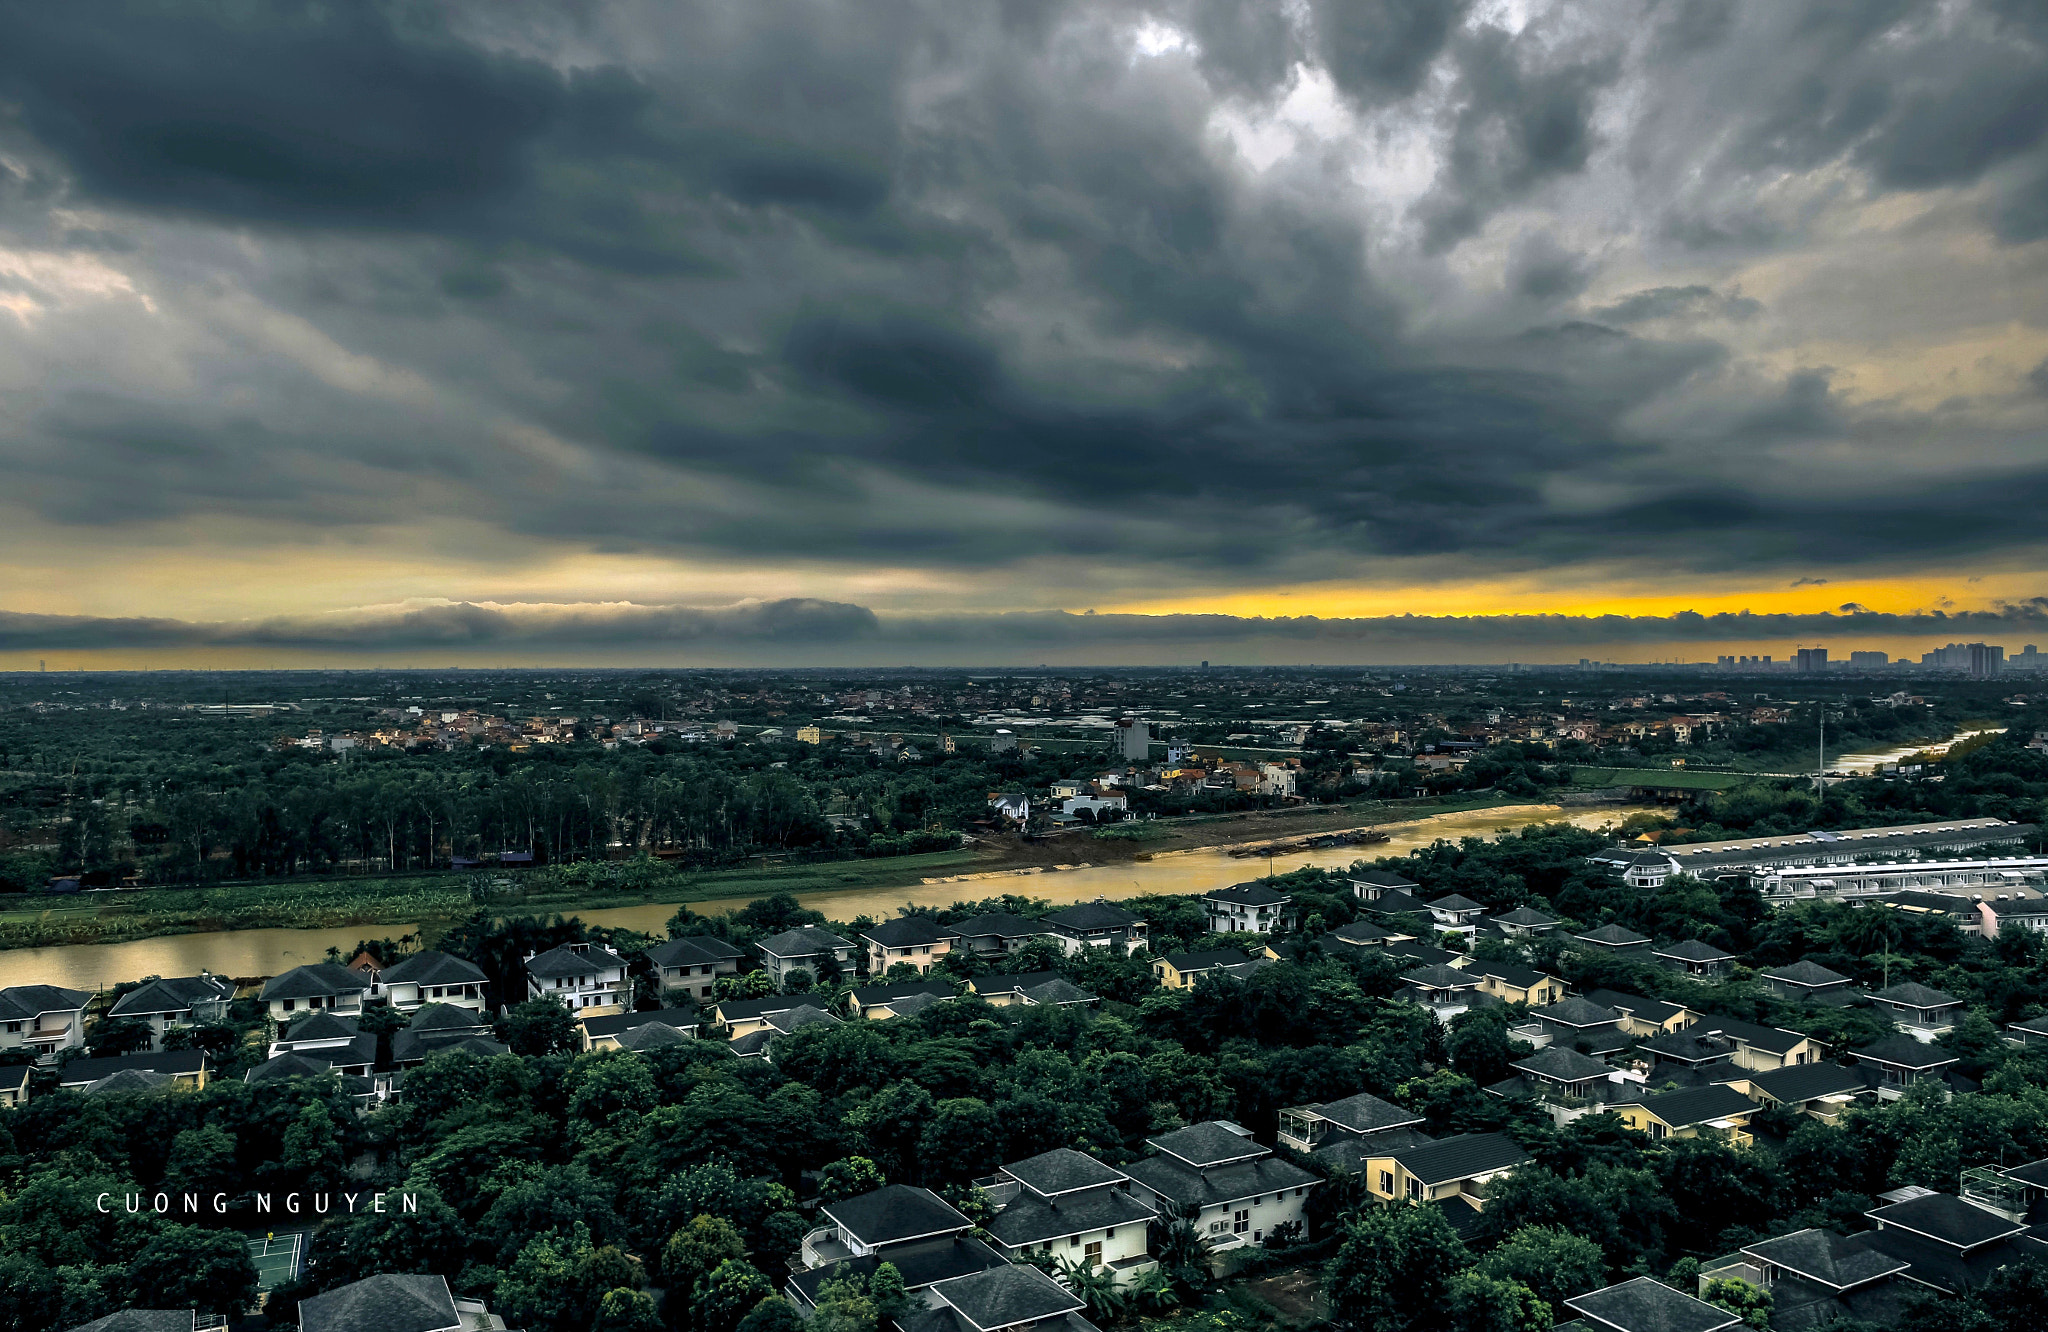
column 775, row 331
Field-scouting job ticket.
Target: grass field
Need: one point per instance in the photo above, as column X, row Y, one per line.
column 1688, row 779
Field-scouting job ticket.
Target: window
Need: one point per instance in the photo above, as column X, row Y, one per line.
column 288, row 1005
column 1110, row 1233
column 1657, row 1130
column 1415, row 1189
column 1073, row 1241
column 1386, row 1181
column 1303, row 1189
column 1092, row 1255
column 1240, row 1223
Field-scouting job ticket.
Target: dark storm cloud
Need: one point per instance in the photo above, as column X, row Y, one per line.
column 968, row 286
column 805, row 627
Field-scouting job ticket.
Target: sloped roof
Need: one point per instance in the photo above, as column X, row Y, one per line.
column 1833, row 1260
column 1366, row 1113
column 129, row 1080
column 1563, row 1065
column 653, row 1036
column 316, row 980
column 905, row 932
column 1249, row 894
column 1457, row 902
column 1636, row 1006
column 884, row 994
column 894, row 1213
column 172, row 994
column 566, row 961
column 1695, row 1105
column 1513, row 973
column 290, row 1065
column 1207, row 1144
column 321, row 1026
column 445, row 1017
column 804, row 941
column 1774, row 1039
column 1205, row 959
column 997, row 924
column 611, row 1024
column 1461, row 1157
column 1805, row 972
column 1439, row 977
column 696, row 950
column 387, row 1302
column 1525, row 916
column 408, row 1046
column 1384, row 879
column 434, row 967
column 739, row 1010
column 1174, row 1179
column 1647, row 1305
column 1577, row 1012
column 1057, row 991
column 1614, row 936
column 1030, row 1219
column 1803, row 1082
column 1008, row 1295
column 167, row 1062
column 142, row 1320
column 1093, row 916
column 1947, row 1219
column 921, row 1263
column 1063, row 1170
column 22, row 1002
column 1905, row 1052
column 1686, row 1048
column 1915, row 995
column 1693, row 950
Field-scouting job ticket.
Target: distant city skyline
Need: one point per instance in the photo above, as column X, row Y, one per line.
column 1082, row 332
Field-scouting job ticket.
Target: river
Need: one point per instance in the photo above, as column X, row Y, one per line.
column 267, row 952
column 1863, row 764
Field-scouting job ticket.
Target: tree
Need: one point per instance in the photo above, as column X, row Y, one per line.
column 186, row 1267
column 726, row 1296
column 772, row 1315
column 202, row 1161
column 118, row 1036
column 960, row 1142
column 538, row 1027
column 848, row 1177
column 1552, row 1263
column 1480, row 1303
column 1393, row 1271
column 623, row 1310
column 696, row 1250
column 610, row 1087
column 1739, row 1297
column 313, row 1154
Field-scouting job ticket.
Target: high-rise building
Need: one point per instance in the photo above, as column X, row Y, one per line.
column 1869, row 659
column 1812, row 661
column 1134, row 740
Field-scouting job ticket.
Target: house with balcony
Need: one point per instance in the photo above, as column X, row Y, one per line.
column 1097, row 924
column 1513, row 983
column 1644, row 1018
column 1563, row 1082
column 1807, row 982
column 917, row 941
column 1822, row 1090
column 365, row 1090
column 1363, row 1117
column 806, row 948
column 1181, row 971
column 1456, row 914
column 1248, row 908
column 1949, row 1245
column 1761, row 1049
column 339, row 1040
column 1028, row 989
column 743, row 1017
column 899, row 999
column 1444, row 990
column 1896, row 1064
column 1523, row 922
column 14, row 1083
column 1923, row 1011
column 1684, row 1058
column 177, row 1001
column 1817, row 1278
column 760, row 1042
column 1690, row 1112
column 432, row 977
column 1067, row 1205
column 690, row 967
column 1011, row 1298
column 582, row 977
column 1372, row 885
column 922, row 1235
column 318, row 987
column 996, row 934
column 2033, row 1031
column 435, row 1027
column 1231, row 1189
column 1450, row 1171
column 1693, row 957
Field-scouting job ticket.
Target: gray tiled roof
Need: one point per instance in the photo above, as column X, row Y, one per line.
column 384, row 1303
column 1915, row 995
column 1614, row 936
column 1635, row 1005
column 1205, row 959
column 173, row 994
column 611, row 1024
column 1248, row 894
column 1206, row 1144
column 1093, row 916
column 316, row 980
column 1776, row 1040
column 1946, row 1218
column 409, row 1046
column 1008, row 1295
column 129, row 1080
column 290, row 1065
column 1059, row 990
column 1577, row 1012
column 894, row 1213
column 1686, row 1048
column 142, row 1320
column 1030, row 1219
column 164, row 1061
column 1439, row 977
column 693, row 951
column 1352, row 1153
column 1175, row 1180
column 1527, row 917
column 1461, row 1157
column 432, row 967
column 1015, row 984
column 1384, row 879
column 23, row 1002
column 1646, row 1305
column 1062, row 1170
column 1905, row 1052
column 1366, row 1113
column 867, row 995
column 1563, row 1065
column 567, row 961
column 1457, row 902
column 446, row 1017
column 804, row 941
column 322, row 1026
column 920, row 1264
column 653, row 1036
column 1807, row 973
column 1823, row 1256
column 1694, row 950
column 1695, row 1105
column 905, row 932
column 1803, row 1082
column 997, row 924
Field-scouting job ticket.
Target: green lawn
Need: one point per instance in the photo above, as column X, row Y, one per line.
column 1593, row 778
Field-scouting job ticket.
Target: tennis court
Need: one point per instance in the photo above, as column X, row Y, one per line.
column 276, row 1258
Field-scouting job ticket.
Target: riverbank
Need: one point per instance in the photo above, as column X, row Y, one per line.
column 1194, row 869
